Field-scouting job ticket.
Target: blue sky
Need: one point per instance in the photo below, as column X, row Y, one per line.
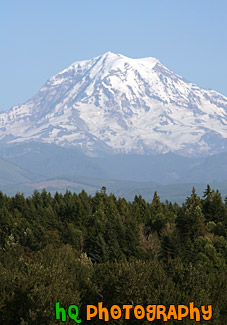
column 40, row 38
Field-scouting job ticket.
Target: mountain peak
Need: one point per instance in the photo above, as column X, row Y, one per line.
column 114, row 56
column 112, row 103
column 110, row 54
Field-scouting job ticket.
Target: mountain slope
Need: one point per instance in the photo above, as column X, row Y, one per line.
column 11, row 174
column 55, row 162
column 114, row 104
column 52, row 161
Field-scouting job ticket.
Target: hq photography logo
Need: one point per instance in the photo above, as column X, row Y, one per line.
column 127, row 312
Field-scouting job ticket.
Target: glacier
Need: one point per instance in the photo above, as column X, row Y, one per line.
column 112, row 104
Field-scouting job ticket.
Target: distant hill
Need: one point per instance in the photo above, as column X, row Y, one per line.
column 25, row 167
column 11, row 174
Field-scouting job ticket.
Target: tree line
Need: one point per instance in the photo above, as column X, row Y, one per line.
column 81, row 249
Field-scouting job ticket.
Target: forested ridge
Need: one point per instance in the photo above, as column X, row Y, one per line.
column 81, row 249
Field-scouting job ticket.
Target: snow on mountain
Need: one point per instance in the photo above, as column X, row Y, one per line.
column 112, row 103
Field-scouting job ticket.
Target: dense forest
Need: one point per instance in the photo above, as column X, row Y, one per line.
column 78, row 249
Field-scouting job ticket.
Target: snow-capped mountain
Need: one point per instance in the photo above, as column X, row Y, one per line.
column 114, row 104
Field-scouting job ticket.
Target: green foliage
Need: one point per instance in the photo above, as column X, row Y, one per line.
column 79, row 249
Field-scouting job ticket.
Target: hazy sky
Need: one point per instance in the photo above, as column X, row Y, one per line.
column 39, row 38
